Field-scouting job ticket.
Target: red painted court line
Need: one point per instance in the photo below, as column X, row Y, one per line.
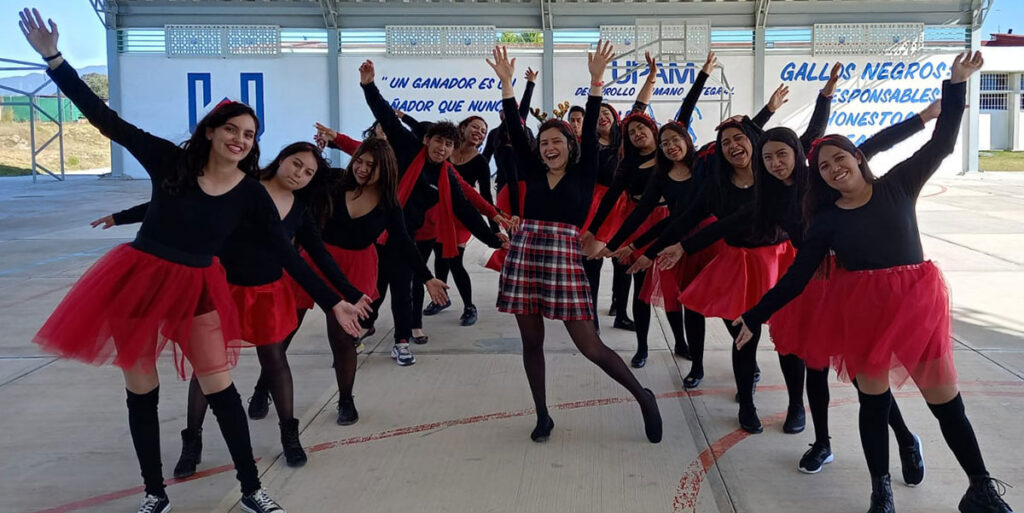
column 687, row 492
column 942, row 189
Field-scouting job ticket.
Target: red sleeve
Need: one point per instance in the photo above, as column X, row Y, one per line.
column 476, row 199
column 346, row 143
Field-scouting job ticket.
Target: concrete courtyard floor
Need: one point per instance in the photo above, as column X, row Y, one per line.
column 450, row 434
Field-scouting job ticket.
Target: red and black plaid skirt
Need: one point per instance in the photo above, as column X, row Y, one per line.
column 543, row 273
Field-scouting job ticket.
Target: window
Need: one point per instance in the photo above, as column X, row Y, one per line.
column 993, row 102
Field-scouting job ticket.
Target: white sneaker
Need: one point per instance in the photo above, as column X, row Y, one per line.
column 401, row 354
column 260, row 502
column 154, row 504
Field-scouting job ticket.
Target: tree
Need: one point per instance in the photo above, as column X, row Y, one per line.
column 98, row 83
column 532, row 37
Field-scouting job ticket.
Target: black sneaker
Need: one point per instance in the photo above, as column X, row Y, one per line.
column 614, row 307
column 260, row 502
column 468, row 316
column 912, row 463
column 191, row 453
column 818, row 455
column 757, row 374
column 683, row 351
column 542, row 431
column 624, row 323
column 796, row 420
column 259, row 404
column 347, row 414
column 420, row 340
column 881, row 495
column 985, row 495
column 749, row 420
column 639, row 360
column 434, row 308
column 293, row 453
column 154, row 504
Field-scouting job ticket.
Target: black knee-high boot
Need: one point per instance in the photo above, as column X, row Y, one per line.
column 227, row 407
column 144, row 424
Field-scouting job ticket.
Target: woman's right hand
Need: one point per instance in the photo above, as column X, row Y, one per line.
column 325, row 134
column 347, row 315
column 669, row 257
column 107, row 221
column 366, row 72
column 437, row 290
column 43, row 40
column 502, row 66
column 710, row 63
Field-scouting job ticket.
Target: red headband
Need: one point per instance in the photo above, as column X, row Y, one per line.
column 223, row 102
column 710, row 150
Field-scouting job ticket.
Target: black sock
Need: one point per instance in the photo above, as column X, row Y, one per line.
column 818, row 399
column 744, row 363
column 695, row 325
column 959, row 435
column 227, row 407
column 793, row 373
column 874, row 431
column 903, row 435
column 641, row 314
column 144, row 424
column 675, row 321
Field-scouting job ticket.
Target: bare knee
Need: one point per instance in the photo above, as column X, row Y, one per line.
column 139, row 380
column 940, row 394
column 873, row 385
column 213, row 383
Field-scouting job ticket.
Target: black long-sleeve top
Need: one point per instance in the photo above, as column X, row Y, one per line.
column 789, row 213
column 569, row 201
column 345, row 232
column 425, row 193
column 883, row 232
column 677, row 195
column 249, row 260
column 189, row 227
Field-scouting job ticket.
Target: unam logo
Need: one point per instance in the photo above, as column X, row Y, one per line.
column 199, row 85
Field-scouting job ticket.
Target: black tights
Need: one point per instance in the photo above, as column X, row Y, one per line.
column 531, row 328
column 641, row 314
column 592, row 268
column 744, row 361
column 620, row 288
column 818, row 398
column 458, row 270
column 275, row 377
column 694, row 325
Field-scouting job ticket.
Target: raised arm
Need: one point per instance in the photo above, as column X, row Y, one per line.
column 886, row 138
column 643, row 98
column 693, row 95
column 152, row 152
column 822, row 108
column 777, row 100
column 524, row 104
column 402, row 140
column 504, row 68
column 911, row 174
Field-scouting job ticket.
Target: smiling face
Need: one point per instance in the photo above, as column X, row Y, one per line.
column 233, row 140
column 674, row 145
column 605, row 121
column 364, row 168
column 554, row 148
column 475, row 132
column 641, row 136
column 736, row 148
column 576, row 120
column 779, row 159
column 840, row 169
column 439, row 148
column 296, row 171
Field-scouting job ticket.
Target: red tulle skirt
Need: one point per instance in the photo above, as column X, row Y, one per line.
column 130, row 304
column 599, row 192
column 736, row 278
column 266, row 312
column 430, row 229
column 662, row 288
column 504, row 204
column 893, row 320
column 359, row 266
column 796, row 328
column 623, row 207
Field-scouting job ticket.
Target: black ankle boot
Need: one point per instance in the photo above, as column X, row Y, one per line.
column 293, row 453
column 191, row 453
column 543, row 429
column 985, row 496
column 259, row 403
column 881, row 495
column 347, row 414
column 749, row 421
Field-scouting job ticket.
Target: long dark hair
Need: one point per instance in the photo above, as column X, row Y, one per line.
column 718, row 168
column 197, row 149
column 628, row 149
column 819, row 194
column 665, row 164
column 615, row 130
column 371, row 131
column 570, row 140
column 769, row 191
column 317, row 193
column 387, row 165
column 465, row 122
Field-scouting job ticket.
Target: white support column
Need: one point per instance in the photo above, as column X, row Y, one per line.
column 333, row 85
column 1014, row 112
column 114, row 88
column 758, row 69
column 548, row 76
column 973, row 117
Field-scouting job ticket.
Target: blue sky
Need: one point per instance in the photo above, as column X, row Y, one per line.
column 83, row 41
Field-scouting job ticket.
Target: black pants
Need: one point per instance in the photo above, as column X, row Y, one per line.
column 396, row 274
column 456, row 266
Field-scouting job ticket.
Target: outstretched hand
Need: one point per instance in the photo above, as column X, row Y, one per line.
column 833, row 79
column 366, row 72
column 107, row 221
column 652, row 68
column 964, row 65
column 669, row 257
column 347, row 315
column 531, row 76
column 778, row 98
column 744, row 335
column 710, row 63
column 503, row 67
column 324, row 135
column 598, row 61
column 42, row 39
column 932, row 111
column 437, row 290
